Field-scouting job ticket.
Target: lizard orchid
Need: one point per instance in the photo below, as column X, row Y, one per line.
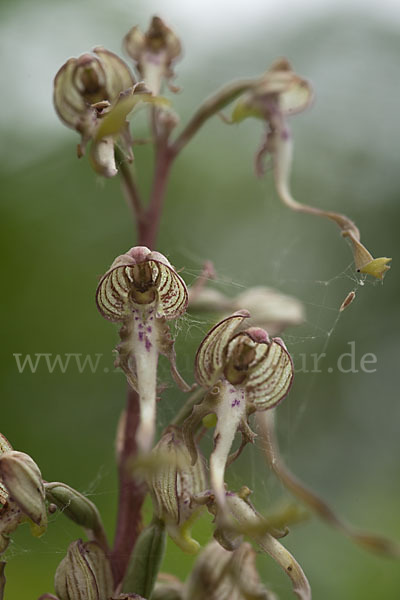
column 244, row 372
column 143, row 291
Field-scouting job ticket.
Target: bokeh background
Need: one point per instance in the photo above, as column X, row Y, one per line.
column 62, row 226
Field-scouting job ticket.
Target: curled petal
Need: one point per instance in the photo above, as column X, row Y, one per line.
column 210, row 356
column 117, row 73
column 115, row 289
column 68, row 102
column 269, row 374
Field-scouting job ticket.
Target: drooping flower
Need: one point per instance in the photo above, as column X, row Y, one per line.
column 154, row 52
column 22, row 496
column 279, row 94
column 173, row 482
column 243, row 372
column 143, row 291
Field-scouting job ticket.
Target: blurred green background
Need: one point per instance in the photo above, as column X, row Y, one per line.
column 62, row 226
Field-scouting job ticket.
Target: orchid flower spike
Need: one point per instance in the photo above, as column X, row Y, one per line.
column 279, row 94
column 243, row 372
column 22, row 495
column 173, row 482
column 143, row 291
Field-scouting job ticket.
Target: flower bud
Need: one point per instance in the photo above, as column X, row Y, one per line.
column 23, row 480
column 84, row 574
column 146, row 559
column 74, row 505
column 173, row 482
column 154, row 52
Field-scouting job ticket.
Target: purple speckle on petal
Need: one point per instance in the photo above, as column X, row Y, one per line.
column 236, row 402
column 149, row 329
column 148, row 344
column 141, row 336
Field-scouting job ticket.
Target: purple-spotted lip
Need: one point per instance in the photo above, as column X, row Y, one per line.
column 113, row 287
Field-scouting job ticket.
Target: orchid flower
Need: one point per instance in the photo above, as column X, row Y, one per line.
column 243, row 372
column 279, row 94
column 143, row 291
column 93, row 94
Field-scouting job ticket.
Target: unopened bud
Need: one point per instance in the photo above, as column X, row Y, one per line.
column 173, row 483
column 74, row 505
column 154, row 52
column 84, row 574
column 146, row 559
column 23, row 481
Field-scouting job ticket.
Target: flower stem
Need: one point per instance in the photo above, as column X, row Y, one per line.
column 131, row 492
column 131, row 190
column 208, row 109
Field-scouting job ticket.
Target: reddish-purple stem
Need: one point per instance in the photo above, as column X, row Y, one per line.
column 154, row 210
column 131, row 494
